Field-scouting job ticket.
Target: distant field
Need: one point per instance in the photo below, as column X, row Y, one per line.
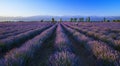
column 59, row 44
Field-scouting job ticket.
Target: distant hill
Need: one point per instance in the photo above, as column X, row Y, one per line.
column 48, row 18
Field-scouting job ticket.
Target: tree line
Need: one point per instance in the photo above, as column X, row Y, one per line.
column 88, row 19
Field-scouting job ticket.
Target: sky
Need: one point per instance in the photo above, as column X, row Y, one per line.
column 60, row 7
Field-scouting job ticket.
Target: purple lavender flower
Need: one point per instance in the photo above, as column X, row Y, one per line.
column 63, row 58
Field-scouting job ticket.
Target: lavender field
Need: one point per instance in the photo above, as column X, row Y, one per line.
column 59, row 44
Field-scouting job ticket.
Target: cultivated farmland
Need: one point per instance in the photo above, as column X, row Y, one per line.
column 59, row 44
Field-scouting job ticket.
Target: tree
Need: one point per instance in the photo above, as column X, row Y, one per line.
column 60, row 19
column 108, row 20
column 118, row 20
column 81, row 19
column 114, row 20
column 104, row 19
column 75, row 19
column 71, row 19
column 53, row 20
column 41, row 20
column 88, row 19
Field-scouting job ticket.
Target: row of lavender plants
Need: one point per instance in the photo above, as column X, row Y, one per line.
column 23, row 55
column 105, row 55
column 16, row 32
column 19, row 28
column 111, row 42
column 14, row 41
column 63, row 55
column 111, row 30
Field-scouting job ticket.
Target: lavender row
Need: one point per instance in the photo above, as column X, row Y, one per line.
column 61, row 41
column 22, row 30
column 106, row 25
column 13, row 27
column 105, row 55
column 104, row 38
column 23, row 56
column 19, row 27
column 63, row 58
column 63, row 55
column 13, row 41
column 111, row 30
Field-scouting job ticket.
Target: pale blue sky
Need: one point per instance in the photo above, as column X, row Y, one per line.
column 60, row 7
